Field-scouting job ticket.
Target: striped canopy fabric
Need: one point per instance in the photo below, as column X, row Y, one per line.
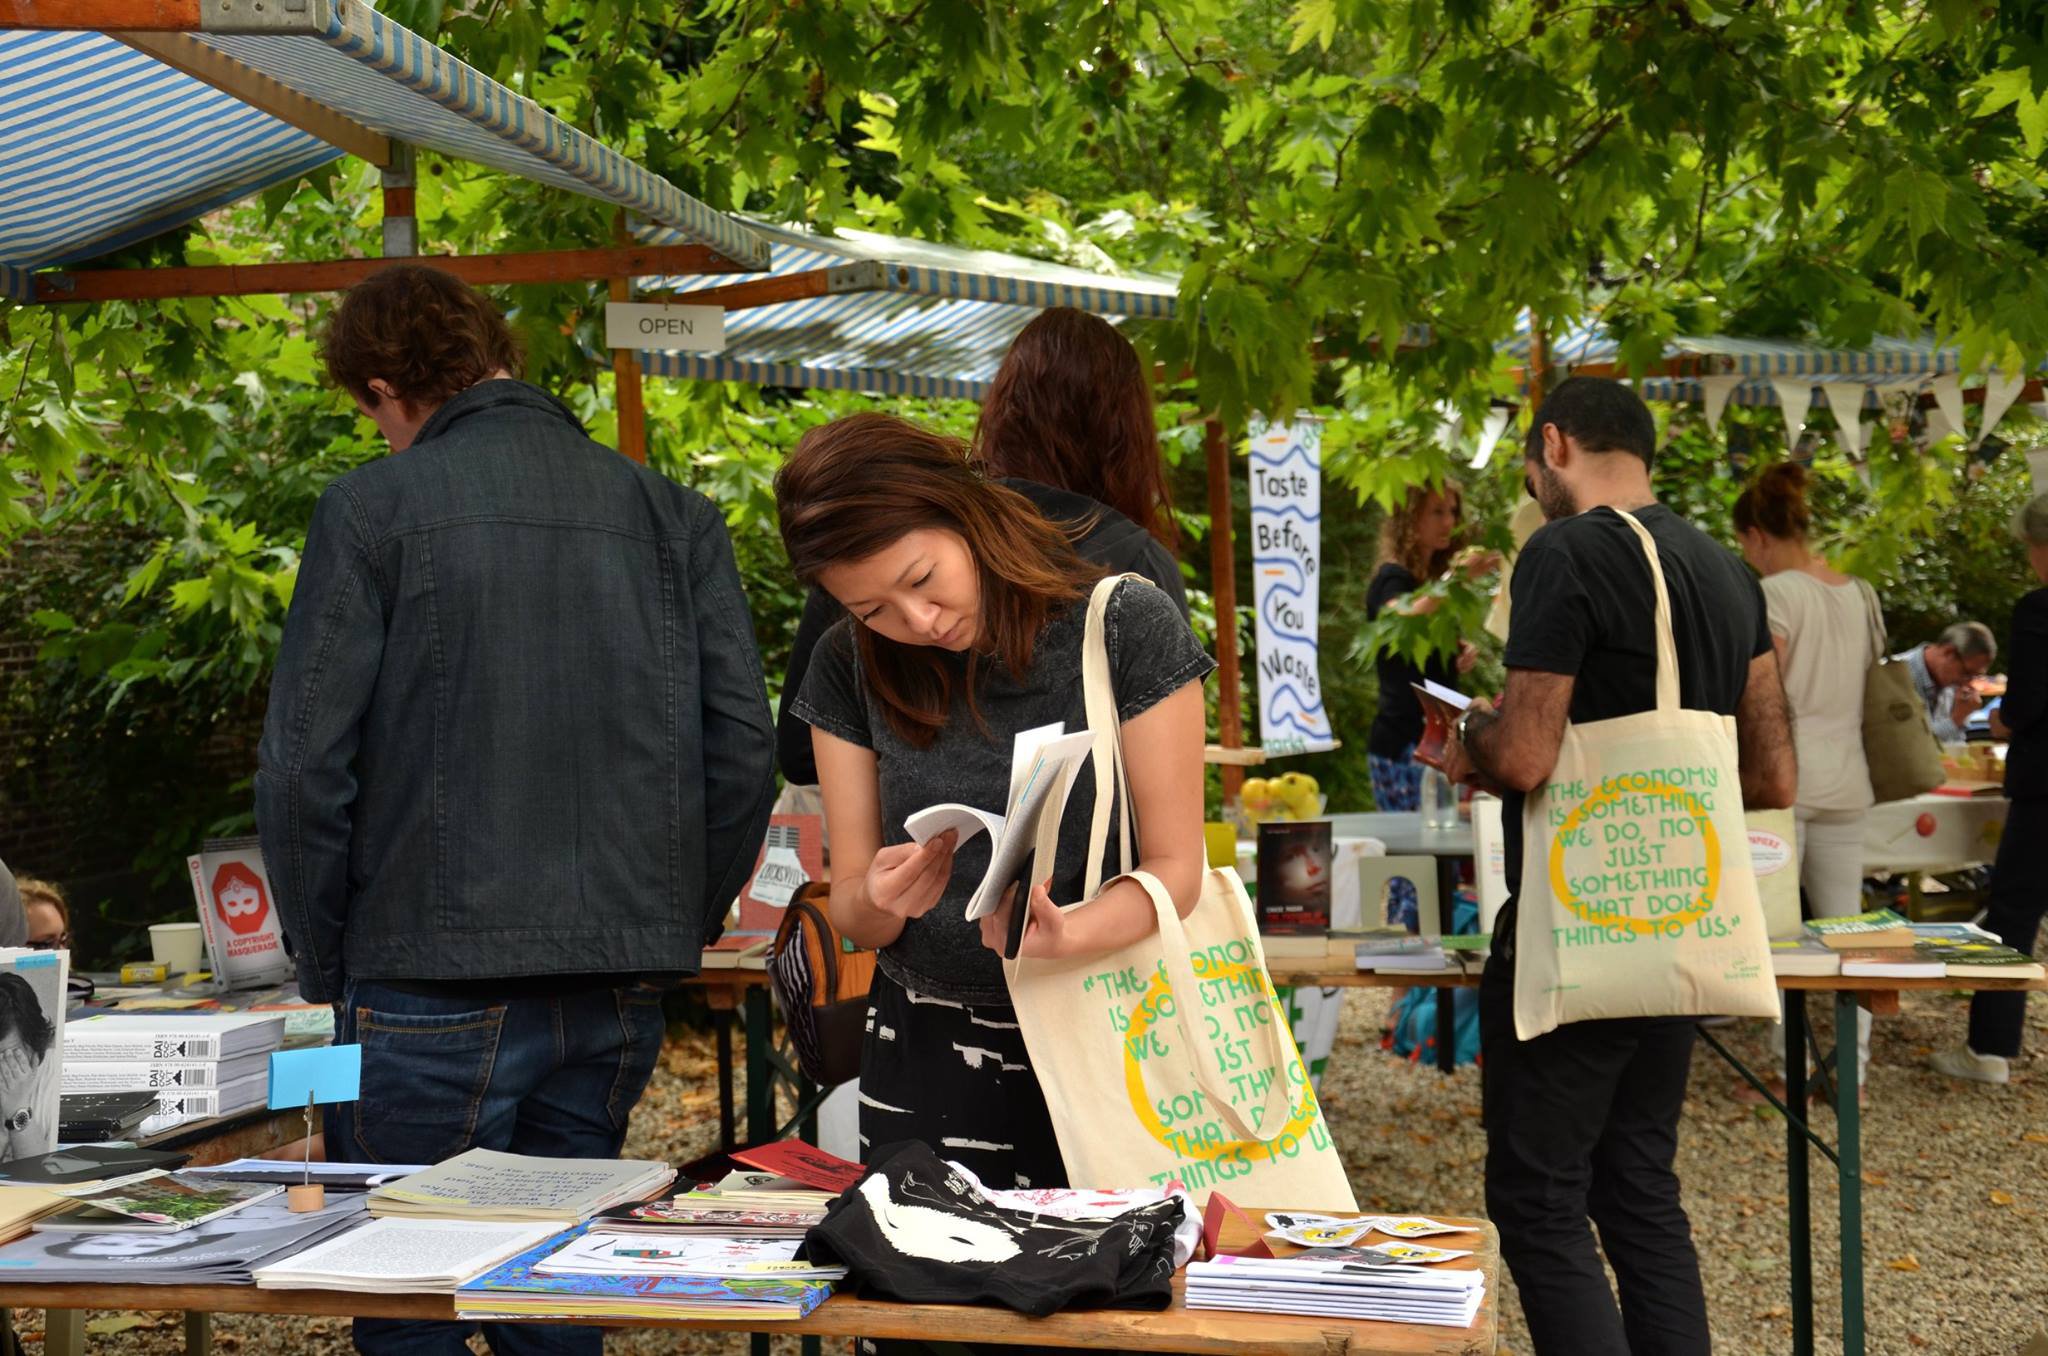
column 104, row 146
column 902, row 317
column 1759, row 362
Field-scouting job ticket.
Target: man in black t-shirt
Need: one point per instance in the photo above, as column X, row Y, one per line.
column 1583, row 1121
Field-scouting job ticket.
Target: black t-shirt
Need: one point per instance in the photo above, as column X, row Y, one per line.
column 1100, row 535
column 917, row 1232
column 1585, row 606
column 1152, row 655
column 1398, row 725
column 2025, row 707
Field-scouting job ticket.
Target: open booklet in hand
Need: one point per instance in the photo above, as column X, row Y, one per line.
column 1441, row 707
column 1042, row 764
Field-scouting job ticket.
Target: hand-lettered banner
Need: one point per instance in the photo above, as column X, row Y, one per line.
column 1287, row 531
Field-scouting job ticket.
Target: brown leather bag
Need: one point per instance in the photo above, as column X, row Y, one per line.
column 821, row 983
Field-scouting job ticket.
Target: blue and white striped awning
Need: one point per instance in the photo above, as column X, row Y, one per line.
column 1886, row 362
column 104, row 144
column 902, row 317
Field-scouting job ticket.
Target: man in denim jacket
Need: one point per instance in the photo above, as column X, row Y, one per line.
column 517, row 761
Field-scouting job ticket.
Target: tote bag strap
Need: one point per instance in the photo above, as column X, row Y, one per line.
column 1176, row 953
column 1874, row 610
column 1112, row 782
column 1667, row 644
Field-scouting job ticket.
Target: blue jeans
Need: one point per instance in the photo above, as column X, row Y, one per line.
column 552, row 1077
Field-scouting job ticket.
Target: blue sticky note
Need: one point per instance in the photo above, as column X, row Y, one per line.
column 331, row 1073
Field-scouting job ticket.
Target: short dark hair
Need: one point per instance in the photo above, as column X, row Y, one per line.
column 426, row 332
column 21, row 1014
column 1599, row 415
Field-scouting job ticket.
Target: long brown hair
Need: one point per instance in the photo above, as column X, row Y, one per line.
column 1399, row 544
column 1071, row 407
column 856, row 485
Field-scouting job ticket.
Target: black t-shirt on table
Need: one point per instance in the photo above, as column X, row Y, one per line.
column 1398, row 724
column 1100, row 535
column 1585, row 606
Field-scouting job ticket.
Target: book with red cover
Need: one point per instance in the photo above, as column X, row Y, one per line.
column 799, row 1162
column 792, row 855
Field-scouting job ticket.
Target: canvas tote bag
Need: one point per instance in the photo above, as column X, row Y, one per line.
column 1169, row 1059
column 1898, row 739
column 1638, row 898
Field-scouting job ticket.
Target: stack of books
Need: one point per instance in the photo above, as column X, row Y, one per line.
column 200, row 1066
column 586, row 1275
column 1389, row 949
column 1351, row 1283
column 1882, row 945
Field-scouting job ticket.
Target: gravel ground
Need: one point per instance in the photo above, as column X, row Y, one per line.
column 1956, row 1194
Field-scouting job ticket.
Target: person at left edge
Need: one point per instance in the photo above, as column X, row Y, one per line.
column 517, row 759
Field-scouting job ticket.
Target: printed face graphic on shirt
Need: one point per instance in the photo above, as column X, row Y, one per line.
column 240, row 899
column 920, row 1231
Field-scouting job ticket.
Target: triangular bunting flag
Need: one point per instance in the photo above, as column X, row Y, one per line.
column 1845, row 399
column 1497, row 420
column 2000, row 391
column 1948, row 398
column 1795, row 398
column 1714, row 393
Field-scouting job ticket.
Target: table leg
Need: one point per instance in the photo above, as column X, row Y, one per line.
column 760, row 1071
column 721, row 1026
column 1849, row 1168
column 198, row 1333
column 1446, row 997
column 1798, row 1181
column 64, row 1332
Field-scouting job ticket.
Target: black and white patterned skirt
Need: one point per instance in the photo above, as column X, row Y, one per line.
column 958, row 1078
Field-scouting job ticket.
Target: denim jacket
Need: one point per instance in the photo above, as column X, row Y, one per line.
column 517, row 725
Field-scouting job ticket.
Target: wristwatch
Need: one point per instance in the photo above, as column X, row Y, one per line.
column 1458, row 728
column 19, row 1120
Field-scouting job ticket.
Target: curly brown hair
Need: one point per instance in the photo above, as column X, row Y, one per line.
column 1398, row 544
column 428, row 334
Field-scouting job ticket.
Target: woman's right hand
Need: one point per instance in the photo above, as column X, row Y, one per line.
column 907, row 880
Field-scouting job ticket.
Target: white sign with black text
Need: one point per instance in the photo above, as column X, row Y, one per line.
column 652, row 325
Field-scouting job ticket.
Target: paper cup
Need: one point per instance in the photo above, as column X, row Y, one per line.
column 182, row 946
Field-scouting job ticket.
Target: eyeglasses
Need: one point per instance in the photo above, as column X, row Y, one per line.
column 57, row 943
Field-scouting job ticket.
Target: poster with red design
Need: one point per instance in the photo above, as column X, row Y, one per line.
column 239, row 916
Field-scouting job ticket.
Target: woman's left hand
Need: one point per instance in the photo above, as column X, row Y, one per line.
column 1045, row 932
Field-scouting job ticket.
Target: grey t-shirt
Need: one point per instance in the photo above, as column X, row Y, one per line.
column 13, row 916
column 1152, row 654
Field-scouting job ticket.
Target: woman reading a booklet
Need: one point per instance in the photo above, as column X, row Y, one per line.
column 966, row 613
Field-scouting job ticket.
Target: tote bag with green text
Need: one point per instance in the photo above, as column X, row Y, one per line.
column 1638, row 895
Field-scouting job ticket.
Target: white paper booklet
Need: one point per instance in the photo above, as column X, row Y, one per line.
column 597, row 1254
column 1042, row 766
column 483, row 1184
column 404, row 1256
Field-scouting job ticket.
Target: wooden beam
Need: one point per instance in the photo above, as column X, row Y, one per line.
column 155, row 15
column 333, row 275
column 741, row 296
column 214, row 67
column 626, row 388
column 1223, row 588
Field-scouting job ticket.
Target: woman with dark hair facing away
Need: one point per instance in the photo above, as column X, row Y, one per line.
column 1827, row 628
column 1067, row 423
column 966, row 610
column 26, row 1038
column 2019, row 877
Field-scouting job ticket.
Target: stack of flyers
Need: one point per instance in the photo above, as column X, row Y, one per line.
column 1376, row 1288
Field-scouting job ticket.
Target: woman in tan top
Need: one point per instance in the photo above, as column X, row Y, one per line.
column 1827, row 629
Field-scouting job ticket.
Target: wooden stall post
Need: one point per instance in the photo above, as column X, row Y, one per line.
column 401, row 225
column 1223, row 584
column 626, row 370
